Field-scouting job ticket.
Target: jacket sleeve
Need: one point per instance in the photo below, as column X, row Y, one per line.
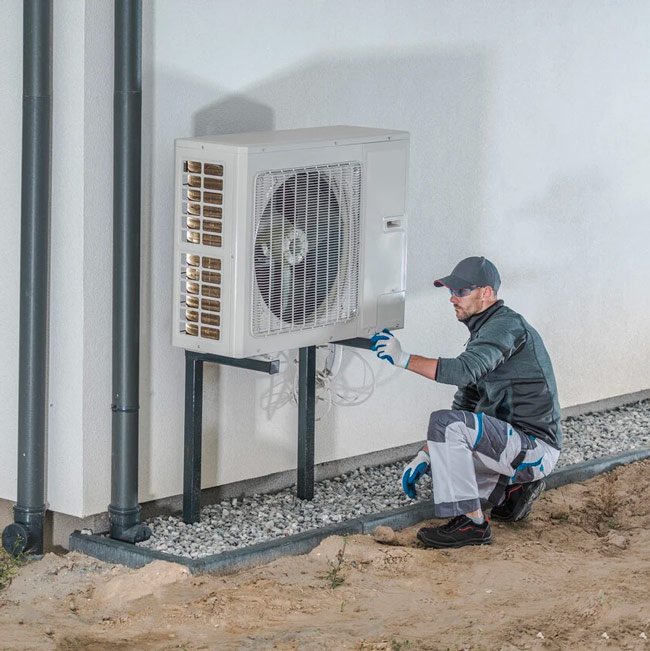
column 495, row 342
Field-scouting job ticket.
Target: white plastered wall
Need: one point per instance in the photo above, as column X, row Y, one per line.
column 529, row 144
column 10, row 118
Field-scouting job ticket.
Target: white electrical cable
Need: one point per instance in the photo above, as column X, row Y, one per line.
column 330, row 387
column 333, row 362
column 365, row 391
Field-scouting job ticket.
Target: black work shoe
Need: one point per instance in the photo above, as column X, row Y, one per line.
column 458, row 532
column 519, row 501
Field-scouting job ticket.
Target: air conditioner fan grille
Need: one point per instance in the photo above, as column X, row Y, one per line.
column 306, row 248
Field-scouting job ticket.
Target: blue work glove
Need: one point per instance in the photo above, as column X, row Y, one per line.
column 414, row 471
column 387, row 347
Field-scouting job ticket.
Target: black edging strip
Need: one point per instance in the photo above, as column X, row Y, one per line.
column 115, row 551
column 578, row 472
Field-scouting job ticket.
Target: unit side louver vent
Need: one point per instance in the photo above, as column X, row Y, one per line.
column 202, row 210
column 202, row 226
column 200, row 296
column 306, row 242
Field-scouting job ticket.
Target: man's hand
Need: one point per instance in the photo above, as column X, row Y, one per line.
column 414, row 471
column 388, row 347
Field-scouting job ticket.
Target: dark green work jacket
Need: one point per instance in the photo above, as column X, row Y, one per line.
column 506, row 372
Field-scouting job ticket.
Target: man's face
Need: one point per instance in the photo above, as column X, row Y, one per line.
column 467, row 306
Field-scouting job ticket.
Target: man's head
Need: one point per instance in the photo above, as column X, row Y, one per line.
column 473, row 284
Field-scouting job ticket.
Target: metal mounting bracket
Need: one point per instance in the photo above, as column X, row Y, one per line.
column 194, row 418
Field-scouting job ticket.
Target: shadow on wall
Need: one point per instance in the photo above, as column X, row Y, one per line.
column 235, row 114
column 441, row 97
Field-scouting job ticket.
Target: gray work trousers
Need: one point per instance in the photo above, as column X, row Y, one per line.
column 474, row 457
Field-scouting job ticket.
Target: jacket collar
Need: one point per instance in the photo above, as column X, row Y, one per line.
column 477, row 320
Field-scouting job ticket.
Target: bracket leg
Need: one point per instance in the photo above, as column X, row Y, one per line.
column 192, row 447
column 306, row 421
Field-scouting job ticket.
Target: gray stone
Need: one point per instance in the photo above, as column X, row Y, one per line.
column 238, row 523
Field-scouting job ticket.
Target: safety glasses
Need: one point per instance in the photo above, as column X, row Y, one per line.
column 461, row 293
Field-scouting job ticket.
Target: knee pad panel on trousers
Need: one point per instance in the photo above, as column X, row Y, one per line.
column 494, row 437
column 527, row 443
column 440, row 420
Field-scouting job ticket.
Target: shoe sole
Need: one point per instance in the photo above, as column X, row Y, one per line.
column 525, row 508
column 455, row 545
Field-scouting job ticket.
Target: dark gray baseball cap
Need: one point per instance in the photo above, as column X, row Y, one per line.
column 474, row 271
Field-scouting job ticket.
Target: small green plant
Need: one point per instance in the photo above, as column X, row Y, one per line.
column 398, row 646
column 335, row 573
column 9, row 566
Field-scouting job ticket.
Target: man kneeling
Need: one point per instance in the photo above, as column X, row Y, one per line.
column 502, row 434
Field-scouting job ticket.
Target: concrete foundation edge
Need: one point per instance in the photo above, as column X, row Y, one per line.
column 114, row 551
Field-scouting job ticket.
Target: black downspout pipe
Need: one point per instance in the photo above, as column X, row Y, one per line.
column 25, row 535
column 124, row 510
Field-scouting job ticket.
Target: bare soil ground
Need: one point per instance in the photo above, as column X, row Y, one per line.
column 575, row 575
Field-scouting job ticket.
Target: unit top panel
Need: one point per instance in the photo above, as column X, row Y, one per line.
column 259, row 141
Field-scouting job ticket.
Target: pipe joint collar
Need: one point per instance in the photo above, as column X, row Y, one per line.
column 124, row 524
column 124, row 408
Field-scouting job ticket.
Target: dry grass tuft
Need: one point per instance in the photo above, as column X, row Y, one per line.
column 607, row 495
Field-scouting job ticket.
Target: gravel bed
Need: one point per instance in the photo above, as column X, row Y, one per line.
column 237, row 523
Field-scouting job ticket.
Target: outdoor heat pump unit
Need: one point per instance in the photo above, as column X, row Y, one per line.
column 286, row 239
